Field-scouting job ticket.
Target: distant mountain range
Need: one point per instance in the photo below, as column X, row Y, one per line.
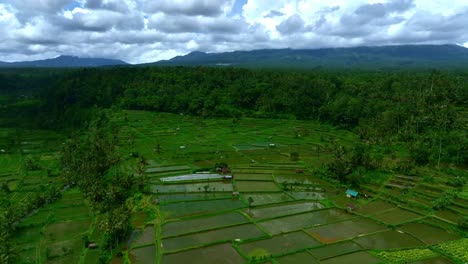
column 359, row 57
column 64, row 62
column 403, row 56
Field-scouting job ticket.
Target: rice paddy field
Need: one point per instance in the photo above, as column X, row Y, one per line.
column 28, row 168
column 273, row 210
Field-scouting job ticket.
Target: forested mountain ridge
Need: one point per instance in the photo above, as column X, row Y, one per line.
column 64, row 62
column 361, row 57
column 402, row 56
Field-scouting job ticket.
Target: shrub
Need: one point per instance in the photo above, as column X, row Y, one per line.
column 420, row 153
column 405, row 256
column 444, row 201
column 463, row 223
column 459, row 181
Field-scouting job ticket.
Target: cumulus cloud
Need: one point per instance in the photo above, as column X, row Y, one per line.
column 187, row 7
column 274, row 13
column 149, row 30
column 188, row 24
column 291, row 25
column 112, row 5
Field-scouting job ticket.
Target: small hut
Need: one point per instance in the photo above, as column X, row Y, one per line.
column 352, row 193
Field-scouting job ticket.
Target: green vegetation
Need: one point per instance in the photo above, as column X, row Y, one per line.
column 455, row 249
column 134, row 165
column 405, row 256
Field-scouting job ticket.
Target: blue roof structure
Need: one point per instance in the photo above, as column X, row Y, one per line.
column 352, row 193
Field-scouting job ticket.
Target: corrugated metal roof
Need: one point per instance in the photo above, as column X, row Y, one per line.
column 353, row 193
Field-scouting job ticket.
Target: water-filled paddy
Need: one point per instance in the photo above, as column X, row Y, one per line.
column 449, row 215
column 184, row 197
column 308, row 195
column 298, row 258
column 294, row 222
column 183, row 209
column 191, row 177
column 279, row 244
column 295, row 178
column 360, row 257
column 267, row 198
column 254, row 176
column 249, row 170
column 144, row 237
column 281, row 210
column 334, row 250
column 428, row 234
column 193, row 187
column 390, row 239
column 242, row 232
column 256, row 186
column 167, row 168
column 204, row 223
column 374, row 207
column 219, row 254
column 143, row 255
column 396, row 216
column 345, row 229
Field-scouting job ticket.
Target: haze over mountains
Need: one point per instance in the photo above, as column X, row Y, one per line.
column 387, row 56
column 64, row 62
column 359, row 57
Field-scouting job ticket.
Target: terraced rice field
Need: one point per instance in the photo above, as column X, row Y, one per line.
column 274, row 210
column 280, row 211
column 54, row 233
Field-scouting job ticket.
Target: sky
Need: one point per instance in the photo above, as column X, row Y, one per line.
column 140, row 31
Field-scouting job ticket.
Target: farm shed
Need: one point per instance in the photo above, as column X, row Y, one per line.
column 352, row 193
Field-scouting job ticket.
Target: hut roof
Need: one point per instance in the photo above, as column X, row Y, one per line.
column 352, row 193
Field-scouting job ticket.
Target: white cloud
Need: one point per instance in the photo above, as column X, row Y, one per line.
column 149, row 30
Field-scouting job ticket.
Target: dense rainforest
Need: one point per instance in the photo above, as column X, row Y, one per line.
column 426, row 110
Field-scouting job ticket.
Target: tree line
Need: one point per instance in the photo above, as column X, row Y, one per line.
column 425, row 109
